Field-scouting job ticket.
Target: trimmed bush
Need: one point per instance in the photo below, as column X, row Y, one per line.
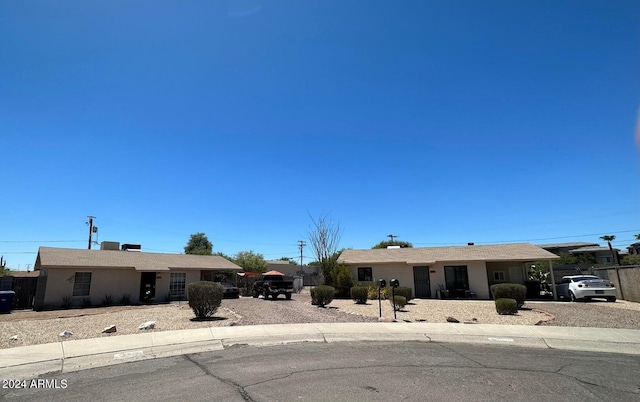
column 506, row 306
column 509, row 291
column 359, row 294
column 404, row 291
column 342, row 280
column 322, row 295
column 204, row 298
column 398, row 302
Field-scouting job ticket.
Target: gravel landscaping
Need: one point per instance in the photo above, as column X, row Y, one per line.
column 32, row 327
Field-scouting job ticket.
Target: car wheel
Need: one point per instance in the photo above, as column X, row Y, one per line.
column 266, row 294
column 255, row 293
column 572, row 296
column 611, row 299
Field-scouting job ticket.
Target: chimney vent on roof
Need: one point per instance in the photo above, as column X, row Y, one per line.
column 470, row 244
column 131, row 247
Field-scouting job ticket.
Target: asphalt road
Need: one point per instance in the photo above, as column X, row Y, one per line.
column 407, row 371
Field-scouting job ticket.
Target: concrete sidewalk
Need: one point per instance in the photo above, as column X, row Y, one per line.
column 72, row 355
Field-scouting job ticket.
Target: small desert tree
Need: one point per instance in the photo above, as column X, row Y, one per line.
column 204, row 298
column 324, row 237
column 250, row 261
column 198, row 244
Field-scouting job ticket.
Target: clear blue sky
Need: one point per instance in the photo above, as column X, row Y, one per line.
column 442, row 122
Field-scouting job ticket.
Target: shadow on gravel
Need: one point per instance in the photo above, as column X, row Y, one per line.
column 196, row 319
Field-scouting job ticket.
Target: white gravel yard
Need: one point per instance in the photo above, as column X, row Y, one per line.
column 32, row 327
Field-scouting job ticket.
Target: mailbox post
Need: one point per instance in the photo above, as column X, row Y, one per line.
column 381, row 283
column 394, row 284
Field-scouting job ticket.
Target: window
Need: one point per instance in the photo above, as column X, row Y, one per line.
column 177, row 284
column 456, row 278
column 605, row 260
column 82, row 284
column 498, row 276
column 364, row 274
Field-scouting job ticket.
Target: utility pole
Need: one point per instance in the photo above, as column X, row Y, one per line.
column 301, row 244
column 90, row 223
column 391, row 237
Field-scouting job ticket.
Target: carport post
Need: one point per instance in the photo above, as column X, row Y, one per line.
column 553, row 281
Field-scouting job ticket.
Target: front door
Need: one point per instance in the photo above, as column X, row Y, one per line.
column 421, row 282
column 147, row 286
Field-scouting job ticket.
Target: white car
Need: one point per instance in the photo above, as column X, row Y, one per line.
column 584, row 287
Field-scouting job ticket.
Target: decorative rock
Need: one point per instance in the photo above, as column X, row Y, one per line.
column 66, row 334
column 451, row 319
column 230, row 324
column 14, row 338
column 110, row 329
column 147, row 325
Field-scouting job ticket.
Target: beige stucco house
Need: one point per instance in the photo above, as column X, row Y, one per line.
column 82, row 275
column 463, row 271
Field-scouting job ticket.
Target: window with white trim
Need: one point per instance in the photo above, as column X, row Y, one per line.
column 82, row 284
column 498, row 276
column 177, row 282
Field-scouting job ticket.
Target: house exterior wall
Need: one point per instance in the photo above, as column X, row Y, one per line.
column 114, row 282
column 403, row 272
column 103, row 282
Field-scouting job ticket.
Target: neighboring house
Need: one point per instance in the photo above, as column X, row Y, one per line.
column 565, row 248
column 634, row 248
column 602, row 255
column 144, row 277
column 308, row 272
column 460, row 270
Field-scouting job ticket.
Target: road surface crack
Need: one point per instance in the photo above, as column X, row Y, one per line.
column 241, row 390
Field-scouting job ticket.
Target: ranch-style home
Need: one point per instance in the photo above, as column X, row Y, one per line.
column 79, row 277
column 457, row 271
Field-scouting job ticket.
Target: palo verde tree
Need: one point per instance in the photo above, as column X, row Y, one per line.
column 386, row 243
column 609, row 239
column 198, row 244
column 324, row 237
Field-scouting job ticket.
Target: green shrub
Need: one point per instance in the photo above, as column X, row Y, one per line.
column 509, row 291
column 359, row 294
column 67, row 302
column 404, row 291
column 372, row 293
column 322, row 295
column 342, row 281
column 86, row 302
column 204, row 298
column 506, row 306
column 107, row 301
column 125, row 300
column 398, row 302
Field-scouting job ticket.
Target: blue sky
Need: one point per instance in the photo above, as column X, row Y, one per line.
column 442, row 122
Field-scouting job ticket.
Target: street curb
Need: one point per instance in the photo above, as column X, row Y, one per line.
column 74, row 355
